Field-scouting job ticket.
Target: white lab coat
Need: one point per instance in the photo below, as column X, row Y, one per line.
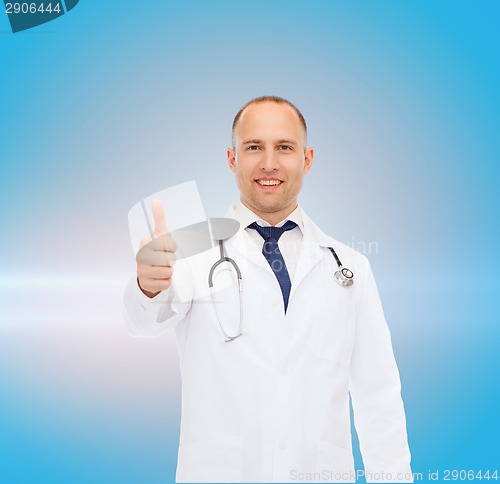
column 273, row 405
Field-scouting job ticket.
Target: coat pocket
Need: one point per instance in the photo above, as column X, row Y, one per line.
column 331, row 311
column 335, row 462
column 210, row 461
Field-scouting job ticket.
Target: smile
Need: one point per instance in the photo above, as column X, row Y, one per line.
column 269, row 182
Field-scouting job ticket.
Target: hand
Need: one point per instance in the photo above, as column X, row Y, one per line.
column 156, row 257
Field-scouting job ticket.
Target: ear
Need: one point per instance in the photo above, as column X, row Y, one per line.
column 308, row 159
column 231, row 159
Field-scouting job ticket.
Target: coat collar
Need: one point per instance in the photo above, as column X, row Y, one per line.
column 311, row 251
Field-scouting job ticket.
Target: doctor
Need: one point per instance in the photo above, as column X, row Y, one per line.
column 273, row 404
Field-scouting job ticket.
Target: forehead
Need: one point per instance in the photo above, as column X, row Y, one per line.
column 269, row 120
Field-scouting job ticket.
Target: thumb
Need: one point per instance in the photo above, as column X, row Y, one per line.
column 159, row 218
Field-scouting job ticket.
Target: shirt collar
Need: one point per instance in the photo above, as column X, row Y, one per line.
column 246, row 217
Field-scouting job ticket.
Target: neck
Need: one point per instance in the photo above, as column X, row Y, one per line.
column 273, row 218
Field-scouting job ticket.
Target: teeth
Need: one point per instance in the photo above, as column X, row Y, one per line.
column 268, row 182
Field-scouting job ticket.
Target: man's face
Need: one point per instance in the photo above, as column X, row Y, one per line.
column 270, row 159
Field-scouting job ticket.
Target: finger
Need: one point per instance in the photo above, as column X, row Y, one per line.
column 147, row 256
column 165, row 243
column 154, row 272
column 159, row 218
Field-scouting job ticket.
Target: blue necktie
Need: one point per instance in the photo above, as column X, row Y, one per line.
column 272, row 253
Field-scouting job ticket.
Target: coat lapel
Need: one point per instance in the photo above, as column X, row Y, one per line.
column 310, row 254
column 242, row 248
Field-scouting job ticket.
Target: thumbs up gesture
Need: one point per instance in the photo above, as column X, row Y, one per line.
column 156, row 257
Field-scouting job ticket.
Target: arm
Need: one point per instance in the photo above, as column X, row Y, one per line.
column 376, row 390
column 150, row 317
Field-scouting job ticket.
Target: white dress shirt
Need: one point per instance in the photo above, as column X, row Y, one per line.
column 289, row 243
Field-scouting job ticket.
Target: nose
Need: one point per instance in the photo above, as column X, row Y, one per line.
column 269, row 161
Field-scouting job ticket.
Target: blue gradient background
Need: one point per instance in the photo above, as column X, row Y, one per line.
column 117, row 100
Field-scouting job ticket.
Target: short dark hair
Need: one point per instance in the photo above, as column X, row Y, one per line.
column 274, row 99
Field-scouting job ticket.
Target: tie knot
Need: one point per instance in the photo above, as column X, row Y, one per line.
column 273, row 232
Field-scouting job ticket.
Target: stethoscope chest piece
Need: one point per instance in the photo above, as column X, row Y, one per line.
column 343, row 276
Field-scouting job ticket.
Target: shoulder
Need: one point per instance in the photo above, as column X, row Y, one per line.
column 347, row 254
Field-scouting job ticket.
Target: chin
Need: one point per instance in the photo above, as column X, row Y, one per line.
column 269, row 207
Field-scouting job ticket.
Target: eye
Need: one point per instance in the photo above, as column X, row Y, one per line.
column 285, row 148
column 253, row 147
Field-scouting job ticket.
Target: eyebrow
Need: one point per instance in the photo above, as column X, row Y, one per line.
column 278, row 142
column 252, row 142
column 286, row 142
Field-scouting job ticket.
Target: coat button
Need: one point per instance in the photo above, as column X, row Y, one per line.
column 283, row 445
column 284, row 372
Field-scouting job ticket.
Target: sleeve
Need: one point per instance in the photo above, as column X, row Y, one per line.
column 151, row 317
column 376, row 392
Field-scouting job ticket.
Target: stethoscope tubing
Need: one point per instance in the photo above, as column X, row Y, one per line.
column 343, row 276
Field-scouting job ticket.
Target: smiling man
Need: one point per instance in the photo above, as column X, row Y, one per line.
column 266, row 383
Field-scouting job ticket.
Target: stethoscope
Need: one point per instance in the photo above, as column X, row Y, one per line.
column 343, row 275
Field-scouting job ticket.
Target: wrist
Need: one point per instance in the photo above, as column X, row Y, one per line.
column 147, row 293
